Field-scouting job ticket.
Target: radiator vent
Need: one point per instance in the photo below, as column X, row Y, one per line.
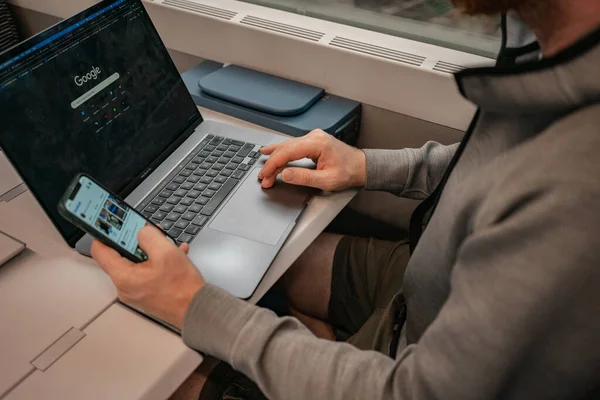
column 201, row 9
column 378, row 51
column 443, row 66
column 282, row 28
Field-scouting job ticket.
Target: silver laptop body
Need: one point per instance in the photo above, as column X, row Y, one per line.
column 238, row 244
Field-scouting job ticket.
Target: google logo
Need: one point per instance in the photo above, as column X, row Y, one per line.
column 93, row 74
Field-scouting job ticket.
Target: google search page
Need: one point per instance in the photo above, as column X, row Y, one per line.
column 97, row 94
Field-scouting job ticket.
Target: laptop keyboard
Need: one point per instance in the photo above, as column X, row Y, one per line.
column 184, row 202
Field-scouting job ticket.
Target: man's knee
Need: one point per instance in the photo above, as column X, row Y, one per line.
column 308, row 281
column 317, row 258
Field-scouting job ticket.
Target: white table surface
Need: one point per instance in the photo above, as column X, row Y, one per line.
column 122, row 355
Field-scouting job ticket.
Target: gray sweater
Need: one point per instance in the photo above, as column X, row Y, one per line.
column 503, row 290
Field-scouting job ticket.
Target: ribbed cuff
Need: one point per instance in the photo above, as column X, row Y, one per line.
column 387, row 170
column 214, row 320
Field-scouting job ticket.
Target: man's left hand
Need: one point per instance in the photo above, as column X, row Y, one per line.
column 163, row 286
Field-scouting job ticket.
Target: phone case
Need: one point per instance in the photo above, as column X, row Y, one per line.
column 88, row 229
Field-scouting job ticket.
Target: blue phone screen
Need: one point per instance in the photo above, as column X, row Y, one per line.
column 107, row 215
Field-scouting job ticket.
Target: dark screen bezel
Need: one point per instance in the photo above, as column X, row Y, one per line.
column 137, row 179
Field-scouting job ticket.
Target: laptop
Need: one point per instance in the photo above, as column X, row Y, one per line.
column 98, row 93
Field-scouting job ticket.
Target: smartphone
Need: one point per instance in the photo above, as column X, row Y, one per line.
column 102, row 214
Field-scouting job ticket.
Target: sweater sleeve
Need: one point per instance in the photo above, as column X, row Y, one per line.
column 411, row 173
column 520, row 322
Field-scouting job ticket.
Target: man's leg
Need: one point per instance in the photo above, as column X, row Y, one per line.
column 319, row 328
column 342, row 287
column 308, row 281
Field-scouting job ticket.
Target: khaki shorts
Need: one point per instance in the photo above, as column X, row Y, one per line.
column 367, row 275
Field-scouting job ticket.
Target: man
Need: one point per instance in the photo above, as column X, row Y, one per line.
column 501, row 295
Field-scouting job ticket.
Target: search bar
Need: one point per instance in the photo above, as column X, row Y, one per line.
column 95, row 90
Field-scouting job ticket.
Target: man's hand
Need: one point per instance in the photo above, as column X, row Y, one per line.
column 163, row 286
column 339, row 166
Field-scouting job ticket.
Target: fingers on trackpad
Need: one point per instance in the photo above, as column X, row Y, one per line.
column 258, row 214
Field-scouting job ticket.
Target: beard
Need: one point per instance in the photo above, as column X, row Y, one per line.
column 488, row 7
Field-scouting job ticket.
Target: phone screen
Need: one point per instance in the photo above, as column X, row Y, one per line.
column 109, row 216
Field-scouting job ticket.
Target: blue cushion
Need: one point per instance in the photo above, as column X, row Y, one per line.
column 260, row 91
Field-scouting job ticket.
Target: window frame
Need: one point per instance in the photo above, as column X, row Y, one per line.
column 420, row 31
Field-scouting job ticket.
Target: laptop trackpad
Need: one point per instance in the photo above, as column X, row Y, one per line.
column 258, row 214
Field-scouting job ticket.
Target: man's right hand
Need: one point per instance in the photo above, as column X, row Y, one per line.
column 339, row 166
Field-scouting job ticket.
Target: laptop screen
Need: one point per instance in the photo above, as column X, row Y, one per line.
column 98, row 94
